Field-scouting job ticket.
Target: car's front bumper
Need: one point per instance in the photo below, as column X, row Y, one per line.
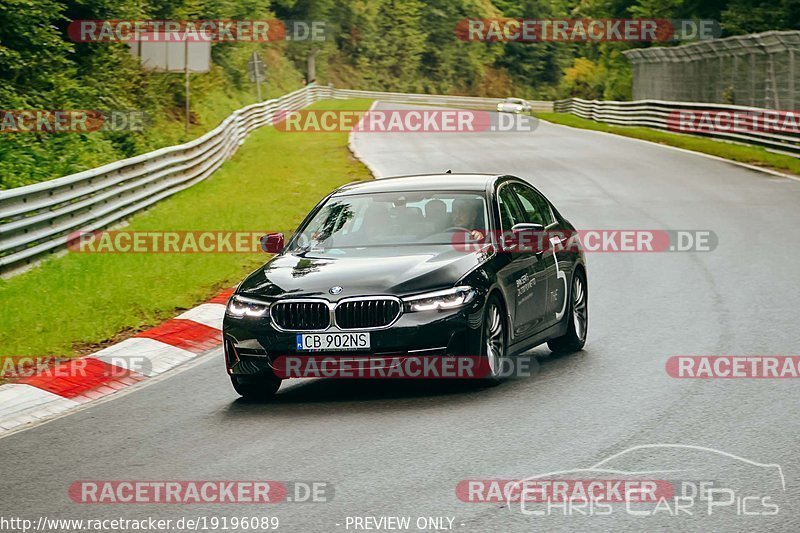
column 253, row 346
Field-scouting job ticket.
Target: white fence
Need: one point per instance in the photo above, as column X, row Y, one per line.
column 748, row 125
column 38, row 219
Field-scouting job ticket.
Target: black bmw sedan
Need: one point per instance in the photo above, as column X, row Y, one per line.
column 429, row 265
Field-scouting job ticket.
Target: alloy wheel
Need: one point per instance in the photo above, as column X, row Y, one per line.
column 495, row 343
column 580, row 312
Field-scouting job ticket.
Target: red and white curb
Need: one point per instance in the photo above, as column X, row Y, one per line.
column 71, row 384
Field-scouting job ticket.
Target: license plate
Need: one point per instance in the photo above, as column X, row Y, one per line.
column 332, row 341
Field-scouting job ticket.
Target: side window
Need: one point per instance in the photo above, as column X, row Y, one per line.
column 537, row 210
column 509, row 211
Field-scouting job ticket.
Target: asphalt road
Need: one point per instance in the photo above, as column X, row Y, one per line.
column 399, row 449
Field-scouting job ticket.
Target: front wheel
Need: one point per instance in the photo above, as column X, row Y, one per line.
column 259, row 388
column 494, row 341
column 577, row 318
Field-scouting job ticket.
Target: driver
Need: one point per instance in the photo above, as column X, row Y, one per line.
column 465, row 216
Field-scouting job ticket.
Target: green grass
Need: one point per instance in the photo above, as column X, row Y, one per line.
column 745, row 154
column 71, row 304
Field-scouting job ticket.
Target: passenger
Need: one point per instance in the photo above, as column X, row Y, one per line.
column 436, row 215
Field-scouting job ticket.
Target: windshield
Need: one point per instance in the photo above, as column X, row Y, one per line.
column 392, row 219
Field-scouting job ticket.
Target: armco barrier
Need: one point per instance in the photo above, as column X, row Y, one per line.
column 666, row 115
column 37, row 219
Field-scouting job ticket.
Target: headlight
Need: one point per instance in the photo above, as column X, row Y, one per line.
column 240, row 306
column 446, row 299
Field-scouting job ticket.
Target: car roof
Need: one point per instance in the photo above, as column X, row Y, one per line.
column 421, row 182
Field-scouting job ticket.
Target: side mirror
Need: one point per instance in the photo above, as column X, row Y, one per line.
column 526, row 226
column 272, row 243
column 527, row 236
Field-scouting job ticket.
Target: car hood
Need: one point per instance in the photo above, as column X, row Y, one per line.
column 361, row 271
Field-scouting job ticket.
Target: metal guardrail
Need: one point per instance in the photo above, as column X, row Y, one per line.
column 39, row 219
column 666, row 115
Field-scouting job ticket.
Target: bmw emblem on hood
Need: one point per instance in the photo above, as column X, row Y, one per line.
column 335, row 290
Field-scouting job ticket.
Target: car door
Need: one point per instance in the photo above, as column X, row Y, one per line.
column 536, row 210
column 523, row 278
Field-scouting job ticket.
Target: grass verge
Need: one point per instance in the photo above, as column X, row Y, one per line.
column 752, row 155
column 72, row 304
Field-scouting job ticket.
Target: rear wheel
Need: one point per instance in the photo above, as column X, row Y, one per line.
column 257, row 387
column 577, row 318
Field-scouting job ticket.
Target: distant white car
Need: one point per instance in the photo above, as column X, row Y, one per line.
column 514, row 105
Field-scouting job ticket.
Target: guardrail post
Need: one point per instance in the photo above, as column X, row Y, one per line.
column 239, row 128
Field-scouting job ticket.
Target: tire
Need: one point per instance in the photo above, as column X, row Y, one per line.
column 258, row 388
column 494, row 343
column 577, row 318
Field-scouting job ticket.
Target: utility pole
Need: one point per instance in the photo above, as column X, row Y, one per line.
column 258, row 78
column 312, row 65
column 256, row 72
column 186, row 76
